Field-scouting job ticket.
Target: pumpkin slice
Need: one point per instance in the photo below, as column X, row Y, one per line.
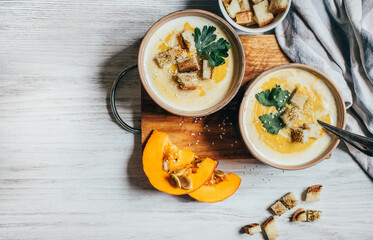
column 172, row 170
column 221, row 186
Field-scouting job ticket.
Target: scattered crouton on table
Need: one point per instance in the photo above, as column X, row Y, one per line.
column 313, row 193
column 299, row 215
column 270, row 228
column 278, row 208
column 289, row 200
column 252, row 228
column 313, row 215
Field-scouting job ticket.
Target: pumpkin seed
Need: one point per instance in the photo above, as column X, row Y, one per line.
column 179, row 172
column 186, row 183
column 197, row 161
column 175, row 180
column 165, row 166
column 219, row 173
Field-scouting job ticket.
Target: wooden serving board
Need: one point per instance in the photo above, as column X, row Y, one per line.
column 216, row 136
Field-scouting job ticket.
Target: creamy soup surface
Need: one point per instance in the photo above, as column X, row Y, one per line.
column 209, row 92
column 320, row 105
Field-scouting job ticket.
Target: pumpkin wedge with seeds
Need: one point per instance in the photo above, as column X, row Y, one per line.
column 173, row 170
column 220, row 187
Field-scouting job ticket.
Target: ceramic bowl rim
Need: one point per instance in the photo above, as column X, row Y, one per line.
column 236, row 84
column 341, row 121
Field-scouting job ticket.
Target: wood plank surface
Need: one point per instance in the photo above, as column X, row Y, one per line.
column 69, row 172
column 217, row 135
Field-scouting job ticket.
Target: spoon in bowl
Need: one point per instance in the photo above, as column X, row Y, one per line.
column 363, row 144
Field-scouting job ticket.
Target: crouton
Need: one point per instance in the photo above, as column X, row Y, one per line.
column 187, row 64
column 252, row 228
column 270, row 228
column 313, row 215
column 278, row 6
column 186, row 40
column 315, row 129
column 187, row 81
column 298, row 99
column 299, row 135
column 244, row 4
column 278, row 208
column 289, row 200
column 262, row 16
column 207, row 70
column 313, row 193
column 170, row 56
column 232, row 6
column 299, row 215
column 290, row 116
column 256, row 1
column 245, row 18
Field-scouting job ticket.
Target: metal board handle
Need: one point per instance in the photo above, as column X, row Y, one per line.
column 112, row 101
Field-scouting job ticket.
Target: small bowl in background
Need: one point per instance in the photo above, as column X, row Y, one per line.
column 254, row 29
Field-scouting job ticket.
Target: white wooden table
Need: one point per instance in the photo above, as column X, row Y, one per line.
column 68, row 171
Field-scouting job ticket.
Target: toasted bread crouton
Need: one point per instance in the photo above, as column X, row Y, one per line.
column 186, row 40
column 187, row 81
column 290, row 116
column 206, row 70
column 245, row 5
column 298, row 99
column 315, row 129
column 232, row 6
column 170, row 56
column 278, row 6
column 270, row 228
column 313, row 193
column 245, row 18
column 252, row 228
column 313, row 215
column 299, row 215
column 289, row 200
column 262, row 16
column 189, row 64
column 278, row 208
column 256, row 1
column 299, row 135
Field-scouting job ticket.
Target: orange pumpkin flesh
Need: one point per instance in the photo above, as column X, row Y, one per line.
column 217, row 192
column 157, row 149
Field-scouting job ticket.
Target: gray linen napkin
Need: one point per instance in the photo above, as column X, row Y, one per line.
column 336, row 37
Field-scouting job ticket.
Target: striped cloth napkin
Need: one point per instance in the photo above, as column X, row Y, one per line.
column 336, row 37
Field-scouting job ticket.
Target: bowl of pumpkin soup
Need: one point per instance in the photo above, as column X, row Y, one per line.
column 279, row 112
column 191, row 63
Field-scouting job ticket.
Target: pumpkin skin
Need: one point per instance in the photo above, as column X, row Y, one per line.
column 155, row 151
column 217, row 192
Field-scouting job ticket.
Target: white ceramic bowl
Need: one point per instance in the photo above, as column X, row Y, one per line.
column 236, row 47
column 258, row 153
column 255, row 29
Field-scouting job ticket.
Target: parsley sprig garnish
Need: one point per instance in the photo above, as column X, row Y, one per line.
column 274, row 97
column 272, row 122
column 208, row 48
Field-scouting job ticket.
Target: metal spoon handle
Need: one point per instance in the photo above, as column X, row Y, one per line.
column 364, row 144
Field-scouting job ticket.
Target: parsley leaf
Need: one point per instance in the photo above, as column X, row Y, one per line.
column 214, row 52
column 276, row 97
column 272, row 122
